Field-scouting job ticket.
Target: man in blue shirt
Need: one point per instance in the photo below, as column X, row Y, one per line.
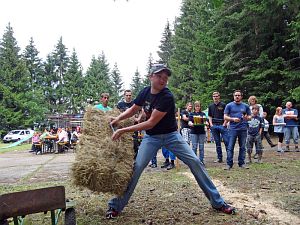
column 103, row 106
column 237, row 113
column 161, row 131
column 125, row 103
column 291, row 128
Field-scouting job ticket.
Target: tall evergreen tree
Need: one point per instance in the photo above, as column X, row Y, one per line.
column 33, row 64
column 61, row 62
column 97, row 79
column 165, row 47
column 73, row 85
column 117, row 84
column 136, row 84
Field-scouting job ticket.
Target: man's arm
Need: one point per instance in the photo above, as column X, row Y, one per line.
column 156, row 116
column 126, row 114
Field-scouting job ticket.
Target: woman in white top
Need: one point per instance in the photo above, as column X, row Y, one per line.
column 278, row 123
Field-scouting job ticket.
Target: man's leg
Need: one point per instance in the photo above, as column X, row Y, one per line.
column 231, row 143
column 295, row 134
column 182, row 150
column 242, row 143
column 216, row 134
column 147, row 150
column 287, row 137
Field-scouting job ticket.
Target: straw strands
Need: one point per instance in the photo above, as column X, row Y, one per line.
column 103, row 165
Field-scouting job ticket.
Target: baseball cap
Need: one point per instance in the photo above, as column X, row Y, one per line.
column 156, row 68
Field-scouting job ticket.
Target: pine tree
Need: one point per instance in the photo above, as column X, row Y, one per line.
column 73, row 85
column 166, row 47
column 136, row 85
column 117, row 84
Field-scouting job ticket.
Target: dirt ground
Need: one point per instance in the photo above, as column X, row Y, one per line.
column 267, row 193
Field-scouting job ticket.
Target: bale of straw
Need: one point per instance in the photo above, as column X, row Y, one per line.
column 103, row 165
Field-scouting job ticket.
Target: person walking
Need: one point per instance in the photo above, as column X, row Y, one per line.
column 238, row 113
column 218, row 125
column 161, row 131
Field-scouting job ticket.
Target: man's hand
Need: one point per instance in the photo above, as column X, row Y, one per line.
column 114, row 121
column 117, row 134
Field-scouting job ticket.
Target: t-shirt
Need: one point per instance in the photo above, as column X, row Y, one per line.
column 163, row 102
column 290, row 122
column 102, row 108
column 198, row 119
column 254, row 125
column 216, row 112
column 184, row 124
column 237, row 110
column 122, row 105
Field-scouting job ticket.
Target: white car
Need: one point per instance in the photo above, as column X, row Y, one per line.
column 16, row 135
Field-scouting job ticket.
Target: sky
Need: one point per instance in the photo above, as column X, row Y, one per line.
column 126, row 31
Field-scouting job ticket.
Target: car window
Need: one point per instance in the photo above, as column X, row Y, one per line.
column 14, row 132
column 22, row 133
column 27, row 132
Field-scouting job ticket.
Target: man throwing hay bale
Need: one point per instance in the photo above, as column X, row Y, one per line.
column 103, row 165
column 161, row 131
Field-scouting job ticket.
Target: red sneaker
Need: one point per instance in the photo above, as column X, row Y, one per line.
column 227, row 209
column 111, row 213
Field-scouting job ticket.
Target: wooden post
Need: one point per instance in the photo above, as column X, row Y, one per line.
column 178, row 126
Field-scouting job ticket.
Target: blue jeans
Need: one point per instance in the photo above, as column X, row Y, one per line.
column 291, row 131
column 242, row 136
column 198, row 139
column 217, row 131
column 173, row 142
column 167, row 154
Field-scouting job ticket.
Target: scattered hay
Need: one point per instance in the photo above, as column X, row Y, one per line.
column 103, row 165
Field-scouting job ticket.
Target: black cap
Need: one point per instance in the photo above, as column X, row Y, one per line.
column 156, row 68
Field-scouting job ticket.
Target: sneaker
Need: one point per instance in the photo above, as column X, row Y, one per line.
column 165, row 165
column 153, row 165
column 243, row 166
column 111, row 213
column 227, row 209
column 255, row 156
column 218, row 161
column 171, row 166
column 228, row 167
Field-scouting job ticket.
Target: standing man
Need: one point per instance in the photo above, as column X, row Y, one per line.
column 103, row 106
column 291, row 129
column 161, row 131
column 126, row 102
column 238, row 114
column 217, row 124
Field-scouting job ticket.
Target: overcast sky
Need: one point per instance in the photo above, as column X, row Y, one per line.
column 127, row 32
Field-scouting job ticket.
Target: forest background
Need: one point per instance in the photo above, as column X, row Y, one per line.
column 218, row 45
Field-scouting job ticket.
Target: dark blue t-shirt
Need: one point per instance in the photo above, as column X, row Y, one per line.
column 254, row 125
column 163, row 102
column 237, row 110
column 122, row 105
